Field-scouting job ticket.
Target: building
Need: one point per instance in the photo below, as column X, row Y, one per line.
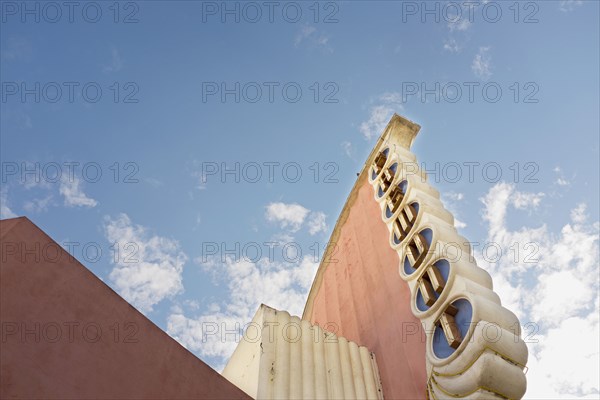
column 398, row 310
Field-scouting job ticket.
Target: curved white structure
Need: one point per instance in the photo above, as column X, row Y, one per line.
column 284, row 357
column 474, row 347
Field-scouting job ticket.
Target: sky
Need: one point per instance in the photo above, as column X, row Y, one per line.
column 195, row 155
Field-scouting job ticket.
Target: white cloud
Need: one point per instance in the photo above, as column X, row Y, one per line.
column 380, row 114
column 482, row 64
column 5, row 211
column 35, row 179
column 378, row 119
column 569, row 5
column 548, row 303
column 293, row 216
column 450, row 200
column 288, row 215
column 316, row 223
column 560, row 180
column 553, row 287
column 578, row 214
column 282, row 238
column 462, row 24
column 565, row 361
column 311, row 35
column 348, row 149
column 38, row 205
column 148, row 268
column 524, row 201
column 456, row 196
column 496, row 202
column 452, row 45
column 73, row 194
column 249, row 284
column 458, row 25
column 391, row 97
column 305, row 32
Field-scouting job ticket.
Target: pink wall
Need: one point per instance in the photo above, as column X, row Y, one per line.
column 364, row 295
column 60, row 294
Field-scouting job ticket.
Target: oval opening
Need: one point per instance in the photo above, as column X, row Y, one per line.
column 443, row 267
column 462, row 321
column 389, row 211
column 427, row 235
column 386, row 179
column 379, row 163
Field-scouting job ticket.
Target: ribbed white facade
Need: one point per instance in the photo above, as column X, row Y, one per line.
column 284, row 357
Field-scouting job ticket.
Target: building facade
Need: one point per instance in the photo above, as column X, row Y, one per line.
column 398, row 309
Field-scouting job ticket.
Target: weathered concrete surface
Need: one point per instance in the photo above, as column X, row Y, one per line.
column 51, row 348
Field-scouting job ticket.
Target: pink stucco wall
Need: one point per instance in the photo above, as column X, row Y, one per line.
column 41, row 298
column 363, row 295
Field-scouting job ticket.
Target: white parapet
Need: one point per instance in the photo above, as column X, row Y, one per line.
column 284, row 357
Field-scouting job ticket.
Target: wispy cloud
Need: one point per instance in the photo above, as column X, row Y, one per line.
column 5, row 211
column 460, row 24
column 149, row 267
column 451, row 201
column 317, row 223
column 38, row 205
column 482, row 64
column 379, row 114
column 293, row 216
column 560, row 179
column 348, row 149
column 311, row 36
column 452, row 46
column 569, row 5
column 71, row 189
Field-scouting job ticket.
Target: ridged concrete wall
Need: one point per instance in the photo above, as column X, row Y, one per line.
column 284, row 357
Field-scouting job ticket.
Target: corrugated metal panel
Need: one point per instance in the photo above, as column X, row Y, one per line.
column 293, row 359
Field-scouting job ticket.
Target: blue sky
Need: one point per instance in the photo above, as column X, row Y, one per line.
column 161, row 136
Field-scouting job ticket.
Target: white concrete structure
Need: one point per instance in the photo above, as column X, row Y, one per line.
column 474, row 348
column 284, row 357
